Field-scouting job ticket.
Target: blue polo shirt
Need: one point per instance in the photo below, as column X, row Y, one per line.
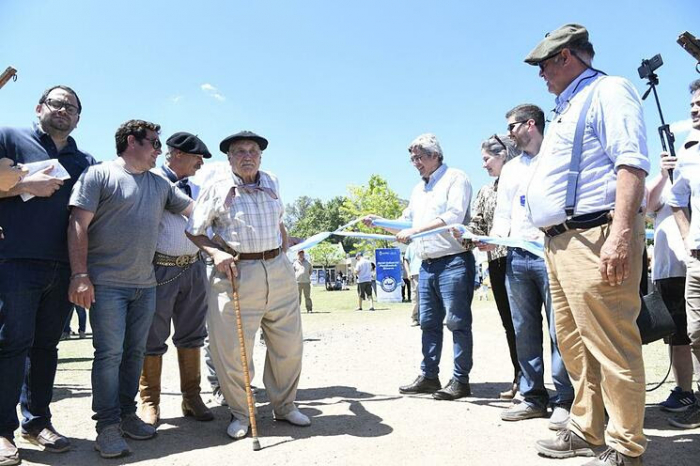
column 37, row 229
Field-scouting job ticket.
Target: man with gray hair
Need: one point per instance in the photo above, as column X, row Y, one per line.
column 181, row 294
column 446, row 278
column 586, row 195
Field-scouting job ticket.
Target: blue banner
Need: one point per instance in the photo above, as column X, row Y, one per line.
column 389, row 275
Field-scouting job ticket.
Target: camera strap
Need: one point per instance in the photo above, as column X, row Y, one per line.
column 576, row 151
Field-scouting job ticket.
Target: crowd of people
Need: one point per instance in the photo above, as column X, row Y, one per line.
column 142, row 247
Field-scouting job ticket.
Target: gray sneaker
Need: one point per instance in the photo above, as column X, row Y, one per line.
column 690, row 419
column 559, row 418
column 110, row 443
column 218, row 397
column 522, row 411
column 133, row 427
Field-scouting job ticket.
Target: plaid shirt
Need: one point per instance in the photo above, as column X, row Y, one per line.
column 248, row 220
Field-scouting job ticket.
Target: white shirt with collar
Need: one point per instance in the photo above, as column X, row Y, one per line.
column 615, row 135
column 447, row 196
column 686, row 187
column 510, row 219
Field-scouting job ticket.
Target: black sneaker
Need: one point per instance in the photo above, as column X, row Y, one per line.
column 421, row 385
column 453, row 390
column 48, row 440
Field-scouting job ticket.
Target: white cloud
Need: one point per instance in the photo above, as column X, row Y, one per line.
column 177, row 98
column 213, row 92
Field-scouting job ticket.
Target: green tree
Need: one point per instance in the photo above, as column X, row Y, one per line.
column 296, row 211
column 328, row 255
column 374, row 198
column 311, row 216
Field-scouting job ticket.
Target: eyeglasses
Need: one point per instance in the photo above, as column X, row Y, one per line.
column 155, row 142
column 495, row 136
column 512, row 126
column 57, row 105
column 545, row 63
column 418, row 158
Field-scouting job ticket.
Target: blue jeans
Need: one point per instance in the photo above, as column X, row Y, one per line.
column 446, row 288
column 528, row 290
column 33, row 307
column 120, row 319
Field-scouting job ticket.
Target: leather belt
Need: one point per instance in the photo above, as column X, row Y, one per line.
column 256, row 256
column 580, row 222
column 175, row 261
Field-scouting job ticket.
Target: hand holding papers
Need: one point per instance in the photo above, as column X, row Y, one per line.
column 44, row 178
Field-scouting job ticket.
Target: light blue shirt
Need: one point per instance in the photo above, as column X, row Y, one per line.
column 614, row 136
column 446, row 195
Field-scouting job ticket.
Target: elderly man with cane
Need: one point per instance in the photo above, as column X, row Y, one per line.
column 253, row 278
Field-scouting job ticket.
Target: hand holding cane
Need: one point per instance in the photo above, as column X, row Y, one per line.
column 244, row 360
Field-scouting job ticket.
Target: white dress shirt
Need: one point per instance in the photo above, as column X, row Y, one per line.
column 686, row 186
column 669, row 250
column 614, row 136
column 510, row 219
column 172, row 240
column 446, row 196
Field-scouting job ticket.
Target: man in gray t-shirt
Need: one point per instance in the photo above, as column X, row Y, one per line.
column 113, row 228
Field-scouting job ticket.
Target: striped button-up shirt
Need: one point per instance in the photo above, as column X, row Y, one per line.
column 248, row 220
column 614, row 136
column 171, row 232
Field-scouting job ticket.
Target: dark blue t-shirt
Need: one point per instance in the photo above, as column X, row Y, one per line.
column 36, row 229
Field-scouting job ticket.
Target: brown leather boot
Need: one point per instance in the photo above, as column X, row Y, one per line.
column 149, row 389
column 190, row 376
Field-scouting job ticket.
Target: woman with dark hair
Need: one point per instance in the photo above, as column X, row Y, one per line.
column 496, row 151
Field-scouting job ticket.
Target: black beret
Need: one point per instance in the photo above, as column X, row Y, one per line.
column 555, row 41
column 226, row 143
column 188, row 143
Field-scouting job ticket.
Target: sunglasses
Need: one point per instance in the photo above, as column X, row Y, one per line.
column 155, row 142
column 495, row 136
column 512, row 126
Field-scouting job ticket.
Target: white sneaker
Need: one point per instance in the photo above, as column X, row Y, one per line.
column 295, row 417
column 559, row 418
column 237, row 429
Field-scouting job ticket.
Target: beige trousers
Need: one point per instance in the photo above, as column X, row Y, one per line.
column 692, row 297
column 269, row 300
column 305, row 290
column 598, row 337
column 414, row 298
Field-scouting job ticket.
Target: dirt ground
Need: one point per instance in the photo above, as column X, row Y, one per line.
column 353, row 365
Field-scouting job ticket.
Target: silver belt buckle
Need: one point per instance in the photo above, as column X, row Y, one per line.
column 182, row 261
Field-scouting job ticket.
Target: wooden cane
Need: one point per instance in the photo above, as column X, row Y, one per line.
column 246, row 372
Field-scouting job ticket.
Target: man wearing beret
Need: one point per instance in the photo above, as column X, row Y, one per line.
column 244, row 212
column 116, row 213
column 586, row 195
column 181, row 296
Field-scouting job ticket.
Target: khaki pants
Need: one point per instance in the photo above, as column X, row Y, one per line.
column 598, row 337
column 268, row 298
column 692, row 296
column 305, row 289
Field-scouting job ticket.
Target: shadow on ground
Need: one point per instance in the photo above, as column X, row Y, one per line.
column 179, row 434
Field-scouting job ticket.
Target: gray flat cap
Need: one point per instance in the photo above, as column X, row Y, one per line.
column 555, row 41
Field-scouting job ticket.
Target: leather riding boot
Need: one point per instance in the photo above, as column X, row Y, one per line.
column 149, row 389
column 190, row 376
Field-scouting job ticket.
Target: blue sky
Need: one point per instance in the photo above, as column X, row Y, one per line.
column 339, row 88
